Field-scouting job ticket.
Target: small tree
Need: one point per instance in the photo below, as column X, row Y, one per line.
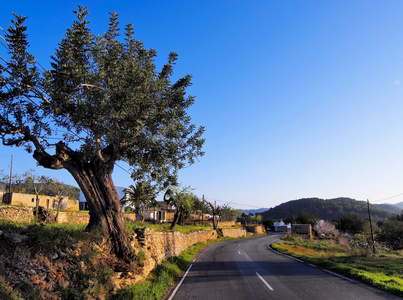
column 353, row 223
column 59, row 190
column 182, row 200
column 38, row 183
column 228, row 213
column 216, row 211
column 391, row 234
column 325, row 228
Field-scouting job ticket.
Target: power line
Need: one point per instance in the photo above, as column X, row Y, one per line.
column 233, row 203
column 395, row 196
column 123, row 169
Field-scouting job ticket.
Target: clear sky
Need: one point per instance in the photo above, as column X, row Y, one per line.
column 299, row 98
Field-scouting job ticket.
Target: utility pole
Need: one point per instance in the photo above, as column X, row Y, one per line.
column 292, row 232
column 203, row 211
column 11, row 175
column 370, row 224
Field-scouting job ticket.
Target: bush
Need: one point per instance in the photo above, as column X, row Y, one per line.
column 391, row 235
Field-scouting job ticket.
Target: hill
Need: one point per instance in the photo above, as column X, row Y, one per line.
column 391, row 207
column 330, row 209
column 400, row 205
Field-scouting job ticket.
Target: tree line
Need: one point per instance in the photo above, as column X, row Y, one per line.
column 330, row 209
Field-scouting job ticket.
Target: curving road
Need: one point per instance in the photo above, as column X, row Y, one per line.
column 247, row 269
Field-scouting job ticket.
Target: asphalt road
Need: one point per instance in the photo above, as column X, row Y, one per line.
column 246, row 269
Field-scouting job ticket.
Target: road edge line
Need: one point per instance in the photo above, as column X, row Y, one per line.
column 315, row 266
column 179, row 284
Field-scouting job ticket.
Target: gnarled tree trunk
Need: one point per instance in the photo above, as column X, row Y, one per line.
column 95, row 181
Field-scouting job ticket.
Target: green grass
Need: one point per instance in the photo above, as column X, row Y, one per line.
column 382, row 270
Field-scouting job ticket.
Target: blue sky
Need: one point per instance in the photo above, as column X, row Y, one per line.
column 299, row 98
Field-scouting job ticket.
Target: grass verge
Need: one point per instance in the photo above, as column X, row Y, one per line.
column 383, row 270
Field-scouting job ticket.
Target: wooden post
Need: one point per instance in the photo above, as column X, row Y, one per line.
column 370, row 225
column 11, row 176
column 203, row 211
column 292, row 232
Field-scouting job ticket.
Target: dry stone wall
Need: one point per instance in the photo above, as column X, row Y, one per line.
column 17, row 214
column 234, row 233
column 26, row 214
column 158, row 246
column 167, row 244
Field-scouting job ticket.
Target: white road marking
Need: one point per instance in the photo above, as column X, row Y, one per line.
column 264, row 281
column 177, row 287
column 341, row 276
column 268, row 246
column 239, row 252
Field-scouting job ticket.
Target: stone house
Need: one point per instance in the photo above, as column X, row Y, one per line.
column 49, row 202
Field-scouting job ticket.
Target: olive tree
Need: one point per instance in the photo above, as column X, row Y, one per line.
column 103, row 101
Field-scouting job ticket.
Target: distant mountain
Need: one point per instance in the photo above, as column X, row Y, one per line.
column 330, row 209
column 400, row 205
column 254, row 211
column 391, row 207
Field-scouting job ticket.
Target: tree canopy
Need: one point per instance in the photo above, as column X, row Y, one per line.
column 102, row 96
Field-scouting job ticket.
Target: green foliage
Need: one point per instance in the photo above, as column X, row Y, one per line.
column 268, row 223
column 182, row 200
column 304, row 217
column 8, row 293
column 391, row 234
column 227, row 213
column 141, row 198
column 353, row 223
column 140, row 258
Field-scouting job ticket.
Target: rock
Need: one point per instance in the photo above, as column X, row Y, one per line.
column 74, row 246
column 15, row 237
column 54, row 256
column 62, row 254
column 32, row 271
column 1, row 232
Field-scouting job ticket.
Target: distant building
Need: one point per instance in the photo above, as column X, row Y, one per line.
column 303, row 230
column 282, row 227
column 48, row 202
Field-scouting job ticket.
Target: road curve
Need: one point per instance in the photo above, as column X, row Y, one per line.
column 246, row 269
